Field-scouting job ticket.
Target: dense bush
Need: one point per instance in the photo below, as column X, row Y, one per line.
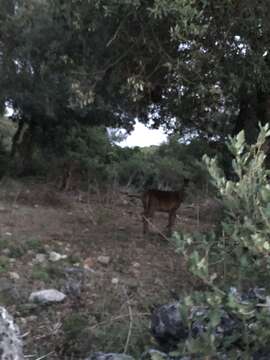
column 101, row 162
column 235, row 254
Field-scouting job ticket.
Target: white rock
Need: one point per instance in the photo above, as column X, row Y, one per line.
column 10, row 342
column 47, row 296
column 115, row 281
column 40, row 258
column 104, row 260
column 14, row 276
column 8, row 233
column 54, row 256
column 6, row 251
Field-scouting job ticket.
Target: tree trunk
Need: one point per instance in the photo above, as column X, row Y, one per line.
column 23, row 147
column 254, row 110
column 17, row 138
column 247, row 119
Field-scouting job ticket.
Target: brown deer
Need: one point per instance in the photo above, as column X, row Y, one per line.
column 164, row 201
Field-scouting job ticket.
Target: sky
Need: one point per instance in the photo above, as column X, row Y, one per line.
column 142, row 136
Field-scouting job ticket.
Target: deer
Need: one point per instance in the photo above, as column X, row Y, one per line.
column 163, row 201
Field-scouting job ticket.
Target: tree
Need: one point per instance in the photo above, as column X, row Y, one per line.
column 220, row 76
column 64, row 62
column 194, row 67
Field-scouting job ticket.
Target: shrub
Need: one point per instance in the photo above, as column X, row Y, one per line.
column 235, row 253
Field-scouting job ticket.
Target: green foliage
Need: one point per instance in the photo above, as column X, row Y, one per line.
column 35, row 244
column 90, row 147
column 16, row 250
column 242, row 240
column 83, row 334
column 40, row 273
column 112, row 336
column 187, row 65
column 236, row 253
column 165, row 166
column 76, row 334
column 4, row 263
column 7, row 130
column 224, row 325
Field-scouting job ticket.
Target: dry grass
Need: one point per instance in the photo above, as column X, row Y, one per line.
column 37, row 218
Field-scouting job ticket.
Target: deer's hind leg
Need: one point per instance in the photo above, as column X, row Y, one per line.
column 171, row 223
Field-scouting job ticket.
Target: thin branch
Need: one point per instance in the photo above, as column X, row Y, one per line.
column 157, row 229
column 117, row 30
column 45, row 356
column 130, row 321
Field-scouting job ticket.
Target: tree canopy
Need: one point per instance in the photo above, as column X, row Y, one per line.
column 199, row 67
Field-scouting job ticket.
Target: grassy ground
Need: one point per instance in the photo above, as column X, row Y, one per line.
column 112, row 313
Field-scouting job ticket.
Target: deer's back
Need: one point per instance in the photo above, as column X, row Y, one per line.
column 161, row 200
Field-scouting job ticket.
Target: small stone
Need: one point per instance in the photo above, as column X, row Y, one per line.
column 8, row 233
column 47, row 296
column 109, row 356
column 73, row 288
column 115, row 281
column 6, row 251
column 136, row 264
column 168, row 327
column 132, row 283
column 5, row 284
column 14, row 276
column 88, row 263
column 40, row 258
column 54, row 256
column 136, row 272
column 153, row 354
column 2, row 209
column 32, row 318
column 104, row 260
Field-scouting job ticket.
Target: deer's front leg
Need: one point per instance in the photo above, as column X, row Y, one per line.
column 148, row 216
column 145, row 222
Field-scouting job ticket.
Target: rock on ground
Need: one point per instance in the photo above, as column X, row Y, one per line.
column 167, row 326
column 153, row 354
column 10, row 342
column 47, row 296
column 109, row 356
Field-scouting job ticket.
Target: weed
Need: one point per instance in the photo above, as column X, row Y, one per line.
column 35, row 245
column 120, row 236
column 77, row 337
column 16, row 250
column 3, row 243
column 103, row 216
column 40, row 273
column 4, row 263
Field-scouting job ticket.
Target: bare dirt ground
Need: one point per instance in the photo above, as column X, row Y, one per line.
column 112, row 310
